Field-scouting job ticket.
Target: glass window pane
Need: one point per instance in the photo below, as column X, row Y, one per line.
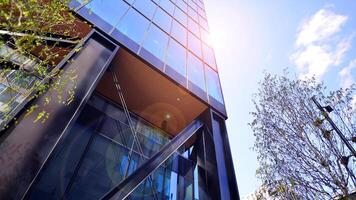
column 180, row 16
column 193, row 14
column 179, row 32
column 182, row 5
column 168, row 6
column 208, row 55
column 109, row 10
column 193, row 5
column 196, row 71
column 163, row 20
column 203, row 23
column 133, row 25
column 147, row 7
column 130, row 1
column 176, row 56
column 205, row 36
column 156, row 41
column 193, row 27
column 7, row 95
column 213, row 84
column 194, row 44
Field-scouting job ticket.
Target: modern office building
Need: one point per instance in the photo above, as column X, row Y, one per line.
column 147, row 120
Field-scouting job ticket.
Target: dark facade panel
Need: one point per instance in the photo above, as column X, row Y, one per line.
column 27, row 145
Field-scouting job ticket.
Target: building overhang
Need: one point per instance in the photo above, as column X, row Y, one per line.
column 149, row 94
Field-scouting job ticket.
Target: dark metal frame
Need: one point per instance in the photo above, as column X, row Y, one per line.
column 20, row 174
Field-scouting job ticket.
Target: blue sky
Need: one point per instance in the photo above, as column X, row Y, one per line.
column 250, row 36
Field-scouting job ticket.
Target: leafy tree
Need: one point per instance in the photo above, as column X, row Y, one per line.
column 297, row 149
column 34, row 38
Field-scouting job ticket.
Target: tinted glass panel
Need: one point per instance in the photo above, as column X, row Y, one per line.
column 179, row 32
column 163, row 20
column 193, row 14
column 208, row 55
column 193, row 27
column 194, row 44
column 195, row 71
column 180, row 16
column 213, row 84
column 156, row 41
column 133, row 25
column 147, row 7
column 103, row 167
column 109, row 10
column 193, row 5
column 167, row 6
column 205, row 36
column 176, row 56
column 182, row 5
column 203, row 23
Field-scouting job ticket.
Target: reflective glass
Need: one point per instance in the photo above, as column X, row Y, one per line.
column 179, row 32
column 109, row 10
column 208, row 55
column 182, row 5
column 205, row 36
column 130, row 1
column 194, row 44
column 193, row 14
column 156, row 41
column 147, row 7
column 213, row 84
column 193, row 27
column 180, row 16
column 167, row 5
column 195, row 71
column 163, row 20
column 103, row 167
column 203, row 23
column 193, row 5
column 7, row 95
column 176, row 57
column 173, row 180
column 133, row 25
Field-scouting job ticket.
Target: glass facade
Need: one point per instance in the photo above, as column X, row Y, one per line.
column 100, row 150
column 99, row 143
column 147, row 26
column 15, row 84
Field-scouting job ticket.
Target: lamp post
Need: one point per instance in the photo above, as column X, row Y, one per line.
column 325, row 111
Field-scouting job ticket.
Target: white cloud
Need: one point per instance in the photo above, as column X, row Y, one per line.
column 346, row 75
column 318, row 47
column 320, row 26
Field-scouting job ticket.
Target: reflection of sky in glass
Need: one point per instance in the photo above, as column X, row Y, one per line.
column 163, row 20
column 147, row 7
column 195, row 70
column 108, row 10
column 213, row 84
column 156, row 41
column 176, row 56
column 179, row 32
column 133, row 25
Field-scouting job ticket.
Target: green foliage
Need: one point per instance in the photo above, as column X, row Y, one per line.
column 297, row 152
column 26, row 27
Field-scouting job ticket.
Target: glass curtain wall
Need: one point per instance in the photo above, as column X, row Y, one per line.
column 100, row 151
column 171, row 35
column 96, row 154
column 16, row 81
